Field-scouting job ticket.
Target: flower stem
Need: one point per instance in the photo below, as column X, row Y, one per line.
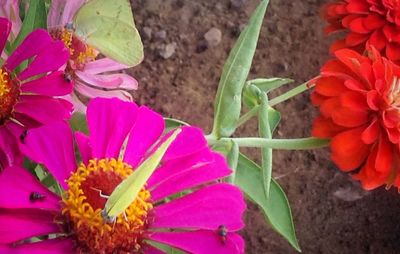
column 289, row 94
column 251, row 113
column 284, row 144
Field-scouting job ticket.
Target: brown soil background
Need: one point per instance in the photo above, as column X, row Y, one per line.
column 331, row 213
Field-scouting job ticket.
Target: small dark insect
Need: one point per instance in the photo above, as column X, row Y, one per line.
column 35, row 196
column 69, row 26
column 23, row 136
column 67, row 77
column 222, row 233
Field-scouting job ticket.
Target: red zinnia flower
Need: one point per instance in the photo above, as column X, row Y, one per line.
column 359, row 101
column 374, row 22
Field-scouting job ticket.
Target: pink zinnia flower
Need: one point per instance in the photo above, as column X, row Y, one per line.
column 27, row 98
column 84, row 69
column 183, row 204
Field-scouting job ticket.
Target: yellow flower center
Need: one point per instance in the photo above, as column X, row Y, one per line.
column 9, row 93
column 80, row 52
column 84, row 201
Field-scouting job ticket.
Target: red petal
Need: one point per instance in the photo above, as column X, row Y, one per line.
column 329, row 106
column 325, row 128
column 393, row 134
column 370, row 179
column 333, row 27
column 378, row 40
column 348, row 19
column 384, row 158
column 357, row 7
column 393, row 51
column 355, row 85
column 374, row 21
column 337, row 45
column 317, row 99
column 349, row 118
column 357, row 25
column 329, row 86
column 373, row 99
column 348, row 151
column 337, row 69
column 379, row 70
column 392, row 33
column 370, row 134
column 351, row 59
column 354, row 100
column 353, row 39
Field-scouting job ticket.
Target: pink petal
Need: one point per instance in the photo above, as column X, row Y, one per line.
column 207, row 208
column 146, row 131
column 189, row 141
column 109, row 121
column 30, row 47
column 108, row 81
column 5, row 28
column 20, row 224
column 201, row 241
column 186, row 178
column 62, row 11
column 51, row 58
column 10, row 153
column 52, row 145
column 173, row 167
column 53, row 246
column 53, row 84
column 103, row 65
column 83, row 142
column 92, row 92
column 44, row 109
column 19, row 185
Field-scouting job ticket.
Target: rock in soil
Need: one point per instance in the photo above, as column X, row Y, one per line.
column 213, row 37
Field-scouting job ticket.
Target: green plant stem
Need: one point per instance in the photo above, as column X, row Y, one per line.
column 284, row 144
column 251, row 113
column 289, row 94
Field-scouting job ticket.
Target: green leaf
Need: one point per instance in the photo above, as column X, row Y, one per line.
column 78, row 123
column 36, row 17
column 274, row 117
column 236, row 69
column 251, row 95
column 171, row 123
column 126, row 192
column 166, row 248
column 264, row 130
column 276, row 208
column 269, row 84
column 232, row 158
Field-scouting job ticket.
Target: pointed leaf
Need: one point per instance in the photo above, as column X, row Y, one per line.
column 228, row 100
column 264, row 130
column 36, row 17
column 276, row 208
column 269, row 84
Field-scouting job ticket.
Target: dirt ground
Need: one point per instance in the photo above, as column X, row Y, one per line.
column 179, row 78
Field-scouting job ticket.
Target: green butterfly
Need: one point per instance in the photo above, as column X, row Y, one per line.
column 109, row 27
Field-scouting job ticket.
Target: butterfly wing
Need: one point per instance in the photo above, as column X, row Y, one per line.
column 108, row 26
